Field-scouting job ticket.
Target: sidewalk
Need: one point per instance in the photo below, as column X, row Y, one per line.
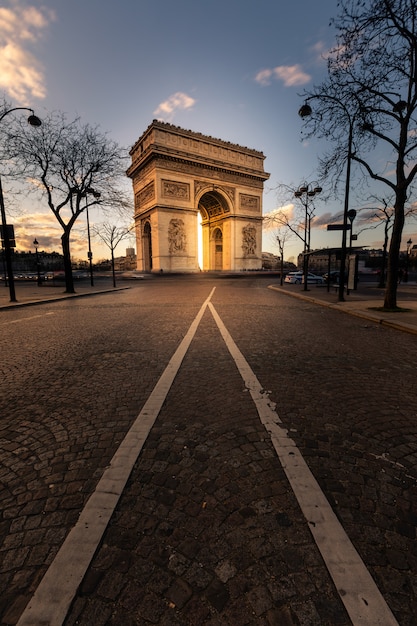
column 29, row 293
column 363, row 302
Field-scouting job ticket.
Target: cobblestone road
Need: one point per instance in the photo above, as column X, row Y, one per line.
column 208, row 530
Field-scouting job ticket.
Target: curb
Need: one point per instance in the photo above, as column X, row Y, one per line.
column 403, row 326
column 59, row 298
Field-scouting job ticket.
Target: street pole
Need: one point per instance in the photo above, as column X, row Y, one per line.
column 407, row 260
column 309, row 192
column 33, row 120
column 306, row 259
column 305, row 111
column 96, row 195
column 90, row 254
column 342, row 274
column 38, row 269
column 7, row 248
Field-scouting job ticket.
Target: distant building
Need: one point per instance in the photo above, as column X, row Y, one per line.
column 26, row 261
column 126, row 263
column 270, row 261
column 328, row 259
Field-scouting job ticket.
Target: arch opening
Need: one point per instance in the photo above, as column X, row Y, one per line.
column 147, row 247
column 212, row 207
column 217, row 248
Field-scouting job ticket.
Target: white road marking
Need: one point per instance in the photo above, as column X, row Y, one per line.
column 52, row 599
column 356, row 587
column 26, row 319
column 358, row 591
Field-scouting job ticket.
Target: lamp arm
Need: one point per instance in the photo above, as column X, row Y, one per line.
column 16, row 109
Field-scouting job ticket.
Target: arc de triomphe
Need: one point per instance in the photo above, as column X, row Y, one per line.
column 178, row 175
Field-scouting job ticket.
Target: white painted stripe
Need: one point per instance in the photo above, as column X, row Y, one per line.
column 58, row 587
column 26, row 319
column 356, row 587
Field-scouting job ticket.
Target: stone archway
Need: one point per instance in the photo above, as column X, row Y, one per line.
column 214, row 209
column 147, row 247
column 217, row 249
column 177, row 174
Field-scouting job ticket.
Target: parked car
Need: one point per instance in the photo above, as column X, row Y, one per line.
column 294, row 277
column 332, row 277
column 314, row 279
column 298, row 278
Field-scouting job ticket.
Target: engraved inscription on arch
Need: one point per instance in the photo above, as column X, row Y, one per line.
column 174, row 189
column 250, row 203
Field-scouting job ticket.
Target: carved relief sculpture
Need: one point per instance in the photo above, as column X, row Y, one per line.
column 173, row 189
column 249, row 240
column 176, row 236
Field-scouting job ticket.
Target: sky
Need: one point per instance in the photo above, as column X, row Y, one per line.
column 224, row 68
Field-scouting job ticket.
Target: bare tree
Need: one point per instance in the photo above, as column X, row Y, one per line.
column 369, row 99
column 282, row 235
column 296, row 221
column 73, row 166
column 112, row 235
column 280, row 221
column 290, row 215
column 374, row 217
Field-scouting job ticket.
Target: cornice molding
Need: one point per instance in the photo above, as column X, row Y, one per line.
column 194, row 135
column 192, row 166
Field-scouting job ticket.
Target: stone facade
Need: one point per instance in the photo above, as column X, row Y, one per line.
column 178, row 174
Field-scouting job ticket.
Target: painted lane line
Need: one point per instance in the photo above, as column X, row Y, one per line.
column 26, row 319
column 360, row 595
column 52, row 599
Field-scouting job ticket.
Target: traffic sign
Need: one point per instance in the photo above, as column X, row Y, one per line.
column 338, row 227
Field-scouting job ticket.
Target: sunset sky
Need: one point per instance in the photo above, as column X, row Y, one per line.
column 227, row 69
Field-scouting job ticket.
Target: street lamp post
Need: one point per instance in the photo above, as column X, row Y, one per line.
column 407, row 260
column 96, row 195
column 351, row 216
column 36, row 244
column 305, row 111
column 33, row 121
column 7, row 248
column 306, row 193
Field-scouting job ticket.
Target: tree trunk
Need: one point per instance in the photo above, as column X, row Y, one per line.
column 390, row 301
column 112, row 267
column 69, row 281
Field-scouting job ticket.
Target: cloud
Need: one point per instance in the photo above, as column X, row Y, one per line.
column 46, row 229
column 177, row 101
column 277, row 217
column 320, row 52
column 321, row 221
column 21, row 75
column 290, row 75
column 42, row 226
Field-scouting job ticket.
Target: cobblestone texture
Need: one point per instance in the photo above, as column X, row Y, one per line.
column 208, row 530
